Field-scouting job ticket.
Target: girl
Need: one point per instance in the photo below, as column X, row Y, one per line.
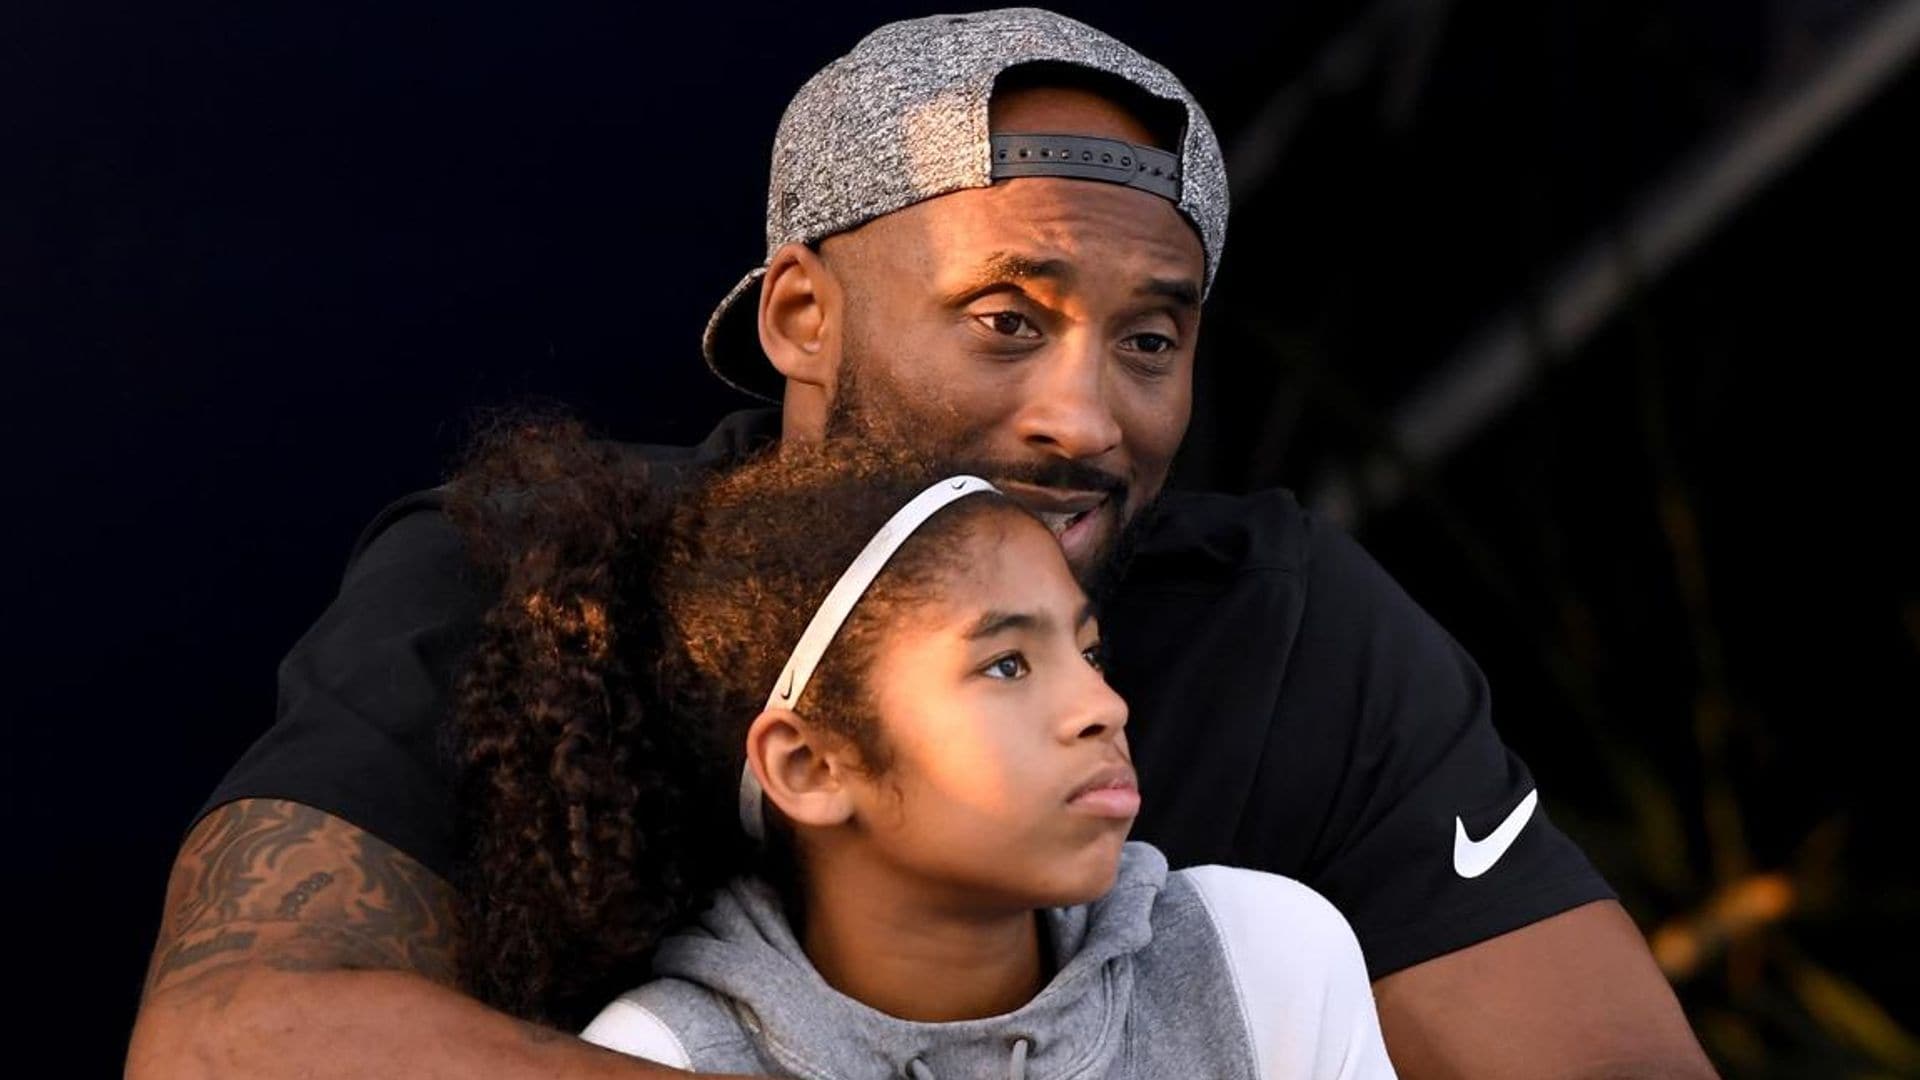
column 846, row 709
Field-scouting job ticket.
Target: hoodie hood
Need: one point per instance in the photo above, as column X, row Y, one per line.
column 743, row 950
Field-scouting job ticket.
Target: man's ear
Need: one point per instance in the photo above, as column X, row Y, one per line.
column 798, row 768
column 800, row 309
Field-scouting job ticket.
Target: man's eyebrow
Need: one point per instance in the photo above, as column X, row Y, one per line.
column 1008, row 267
column 998, row 622
column 1003, row 268
column 1181, row 291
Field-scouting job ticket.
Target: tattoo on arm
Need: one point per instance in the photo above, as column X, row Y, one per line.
column 277, row 882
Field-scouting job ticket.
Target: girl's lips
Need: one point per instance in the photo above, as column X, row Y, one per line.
column 1113, row 791
column 1109, row 802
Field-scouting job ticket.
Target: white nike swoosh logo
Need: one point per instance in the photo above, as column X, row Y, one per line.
column 1471, row 858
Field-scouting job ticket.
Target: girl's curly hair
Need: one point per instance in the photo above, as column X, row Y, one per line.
column 640, row 619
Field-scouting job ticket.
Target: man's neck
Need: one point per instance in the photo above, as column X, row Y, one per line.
column 897, row 949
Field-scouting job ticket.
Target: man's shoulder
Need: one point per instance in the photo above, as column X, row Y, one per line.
column 1202, row 536
column 737, row 435
column 424, row 511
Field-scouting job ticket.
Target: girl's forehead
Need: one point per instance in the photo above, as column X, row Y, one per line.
column 1000, row 563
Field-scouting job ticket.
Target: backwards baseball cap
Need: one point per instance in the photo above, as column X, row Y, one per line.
column 903, row 117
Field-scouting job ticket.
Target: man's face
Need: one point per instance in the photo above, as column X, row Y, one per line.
column 1043, row 325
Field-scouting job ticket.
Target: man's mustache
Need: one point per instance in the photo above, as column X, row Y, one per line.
column 1062, row 473
column 852, row 416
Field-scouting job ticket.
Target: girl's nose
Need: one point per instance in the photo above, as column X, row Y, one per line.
column 1105, row 713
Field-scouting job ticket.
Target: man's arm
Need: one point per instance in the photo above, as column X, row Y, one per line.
column 1508, row 956
column 1573, row 995
column 294, row 944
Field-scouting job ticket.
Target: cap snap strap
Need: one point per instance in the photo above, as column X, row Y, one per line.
column 1085, row 157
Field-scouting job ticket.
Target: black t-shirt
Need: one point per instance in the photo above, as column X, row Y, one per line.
column 1291, row 709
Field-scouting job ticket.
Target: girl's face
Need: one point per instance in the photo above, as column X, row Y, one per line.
column 1010, row 783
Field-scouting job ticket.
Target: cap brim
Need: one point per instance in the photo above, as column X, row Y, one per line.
column 731, row 343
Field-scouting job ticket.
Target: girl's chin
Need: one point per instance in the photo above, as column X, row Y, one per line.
column 1089, row 877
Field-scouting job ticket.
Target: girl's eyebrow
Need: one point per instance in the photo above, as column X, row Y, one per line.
column 999, row 622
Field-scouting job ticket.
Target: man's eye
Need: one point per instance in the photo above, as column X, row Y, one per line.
column 1008, row 323
column 1153, row 343
column 1010, row 666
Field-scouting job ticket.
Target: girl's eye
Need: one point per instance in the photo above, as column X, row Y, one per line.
column 1008, row 323
column 1096, row 655
column 1010, row 666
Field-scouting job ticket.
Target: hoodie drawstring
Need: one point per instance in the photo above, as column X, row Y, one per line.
column 1016, row 1069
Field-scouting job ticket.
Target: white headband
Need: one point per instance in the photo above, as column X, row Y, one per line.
column 833, row 612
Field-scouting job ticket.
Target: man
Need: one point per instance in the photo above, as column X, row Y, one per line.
column 995, row 231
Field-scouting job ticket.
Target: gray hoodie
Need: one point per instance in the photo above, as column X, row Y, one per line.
column 1208, row 972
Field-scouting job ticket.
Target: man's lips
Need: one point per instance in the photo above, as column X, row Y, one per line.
column 1058, row 508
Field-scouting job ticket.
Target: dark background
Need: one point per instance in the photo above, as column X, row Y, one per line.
column 258, row 265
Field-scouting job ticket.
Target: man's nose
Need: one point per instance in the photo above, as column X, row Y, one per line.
column 1067, row 412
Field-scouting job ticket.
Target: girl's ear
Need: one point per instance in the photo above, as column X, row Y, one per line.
column 795, row 764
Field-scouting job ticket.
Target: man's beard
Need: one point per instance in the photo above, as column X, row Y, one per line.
column 871, row 410
column 1104, row 574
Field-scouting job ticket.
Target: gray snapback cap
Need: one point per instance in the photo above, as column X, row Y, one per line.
column 903, row 117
